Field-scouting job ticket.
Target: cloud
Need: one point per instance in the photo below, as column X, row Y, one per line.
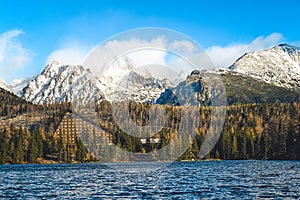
column 153, row 52
column 72, row 54
column 225, row 56
column 182, row 46
column 141, row 52
column 76, row 53
column 98, row 58
column 13, row 55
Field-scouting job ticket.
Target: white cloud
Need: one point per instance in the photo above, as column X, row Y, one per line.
column 101, row 56
column 225, row 56
column 142, row 57
column 73, row 54
column 141, row 52
column 152, row 52
column 182, row 46
column 13, row 55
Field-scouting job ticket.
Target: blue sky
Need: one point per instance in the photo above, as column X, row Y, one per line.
column 33, row 32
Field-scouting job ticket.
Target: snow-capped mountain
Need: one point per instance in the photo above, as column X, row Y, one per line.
column 275, row 68
column 113, row 73
column 224, row 87
column 59, row 83
column 120, row 81
column 267, row 76
column 16, row 85
column 279, row 66
column 138, row 88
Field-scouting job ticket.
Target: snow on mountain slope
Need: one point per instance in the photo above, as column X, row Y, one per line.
column 116, row 71
column 224, row 87
column 16, row 85
column 138, row 88
column 124, row 81
column 58, row 83
column 279, row 66
column 120, row 81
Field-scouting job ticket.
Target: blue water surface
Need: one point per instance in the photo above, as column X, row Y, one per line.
column 153, row 180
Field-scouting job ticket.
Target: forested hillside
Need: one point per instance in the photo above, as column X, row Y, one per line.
column 251, row 131
column 254, row 131
column 26, row 129
column 12, row 105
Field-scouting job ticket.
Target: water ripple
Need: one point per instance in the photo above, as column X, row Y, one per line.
column 189, row 180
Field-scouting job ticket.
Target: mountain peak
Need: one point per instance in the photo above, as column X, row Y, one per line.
column 54, row 62
column 291, row 50
column 52, row 68
column 285, row 45
column 143, row 72
column 59, row 83
column 279, row 65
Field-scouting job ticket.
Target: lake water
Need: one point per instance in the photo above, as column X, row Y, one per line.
column 179, row 180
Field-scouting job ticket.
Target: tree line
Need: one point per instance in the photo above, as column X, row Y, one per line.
column 19, row 145
column 250, row 131
column 23, row 142
column 254, row 131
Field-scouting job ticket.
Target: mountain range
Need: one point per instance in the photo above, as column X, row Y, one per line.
column 266, row 76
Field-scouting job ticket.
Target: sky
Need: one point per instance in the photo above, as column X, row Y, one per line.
column 33, row 33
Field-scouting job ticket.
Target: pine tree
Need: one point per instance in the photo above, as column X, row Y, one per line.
column 33, row 150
